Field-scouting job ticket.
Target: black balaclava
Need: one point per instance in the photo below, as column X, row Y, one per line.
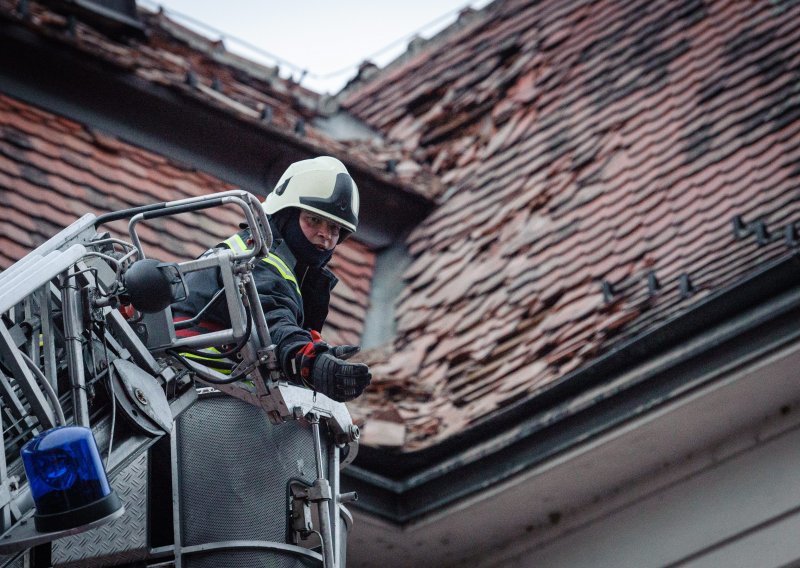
column 287, row 222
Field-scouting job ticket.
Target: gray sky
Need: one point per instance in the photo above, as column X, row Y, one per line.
column 327, row 38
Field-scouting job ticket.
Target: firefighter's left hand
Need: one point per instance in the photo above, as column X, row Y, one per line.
column 344, row 351
column 304, row 360
column 324, row 368
column 339, row 379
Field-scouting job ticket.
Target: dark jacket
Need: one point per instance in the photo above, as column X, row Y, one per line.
column 294, row 297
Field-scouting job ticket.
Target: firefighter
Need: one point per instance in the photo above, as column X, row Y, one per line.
column 313, row 207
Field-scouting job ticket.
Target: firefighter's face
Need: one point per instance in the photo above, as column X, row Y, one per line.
column 322, row 233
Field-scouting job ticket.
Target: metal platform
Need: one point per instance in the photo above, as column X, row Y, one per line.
column 246, row 475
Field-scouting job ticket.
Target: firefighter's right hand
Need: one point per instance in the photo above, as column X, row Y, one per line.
column 338, row 379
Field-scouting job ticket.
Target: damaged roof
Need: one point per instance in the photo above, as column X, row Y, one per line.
column 599, row 168
column 606, row 166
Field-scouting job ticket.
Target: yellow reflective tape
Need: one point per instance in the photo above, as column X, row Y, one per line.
column 236, row 242
column 208, row 361
column 278, row 263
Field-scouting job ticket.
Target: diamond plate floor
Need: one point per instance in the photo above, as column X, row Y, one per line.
column 125, row 538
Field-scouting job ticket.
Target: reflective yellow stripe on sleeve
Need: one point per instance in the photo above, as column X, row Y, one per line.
column 236, row 243
column 278, row 263
column 209, row 361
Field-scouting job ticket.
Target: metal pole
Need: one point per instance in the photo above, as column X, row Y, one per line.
column 323, row 498
column 176, row 496
column 48, row 336
column 73, row 326
column 257, row 311
column 5, row 510
column 333, row 477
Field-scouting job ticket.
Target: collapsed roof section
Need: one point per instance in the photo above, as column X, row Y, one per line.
column 606, row 167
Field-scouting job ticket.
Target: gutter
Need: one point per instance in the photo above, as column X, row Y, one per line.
column 739, row 323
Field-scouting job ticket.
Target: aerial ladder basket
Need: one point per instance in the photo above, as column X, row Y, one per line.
column 211, row 469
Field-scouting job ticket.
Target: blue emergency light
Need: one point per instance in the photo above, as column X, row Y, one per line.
column 67, row 479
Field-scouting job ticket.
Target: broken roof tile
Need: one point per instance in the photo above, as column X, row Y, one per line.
column 623, row 144
column 238, row 87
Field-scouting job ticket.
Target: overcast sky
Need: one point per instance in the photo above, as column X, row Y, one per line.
column 327, row 38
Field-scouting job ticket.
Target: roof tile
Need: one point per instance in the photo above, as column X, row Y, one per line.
column 53, row 170
column 622, row 144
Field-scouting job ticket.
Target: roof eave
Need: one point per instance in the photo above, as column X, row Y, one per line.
column 736, row 324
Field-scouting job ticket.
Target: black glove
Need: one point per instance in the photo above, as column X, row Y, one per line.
column 325, row 369
column 338, row 379
column 344, row 351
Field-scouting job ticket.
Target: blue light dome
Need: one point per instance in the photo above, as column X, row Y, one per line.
column 67, row 479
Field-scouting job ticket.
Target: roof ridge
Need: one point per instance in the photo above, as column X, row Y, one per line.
column 217, row 51
column 368, row 71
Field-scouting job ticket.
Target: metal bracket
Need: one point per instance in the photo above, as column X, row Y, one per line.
column 290, row 401
column 301, row 519
column 141, row 397
column 7, row 488
column 320, row 491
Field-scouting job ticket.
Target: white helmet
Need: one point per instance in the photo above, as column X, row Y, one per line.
column 320, row 185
